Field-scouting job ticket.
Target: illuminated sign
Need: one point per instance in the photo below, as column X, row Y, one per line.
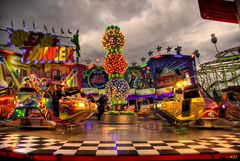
column 165, row 90
column 89, row 90
column 97, row 79
column 148, row 91
column 168, row 79
column 48, row 54
column 23, row 39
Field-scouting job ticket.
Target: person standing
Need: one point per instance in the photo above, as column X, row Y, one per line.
column 101, row 105
column 91, row 99
column 55, row 100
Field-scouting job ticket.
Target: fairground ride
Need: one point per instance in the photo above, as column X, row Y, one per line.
column 222, row 72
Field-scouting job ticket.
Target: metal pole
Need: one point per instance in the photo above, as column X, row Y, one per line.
column 237, row 2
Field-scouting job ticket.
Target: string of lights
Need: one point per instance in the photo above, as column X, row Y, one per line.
column 115, row 64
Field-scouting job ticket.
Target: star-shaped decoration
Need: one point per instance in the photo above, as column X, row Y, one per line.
column 88, row 61
column 143, row 59
column 168, row 49
column 97, row 60
column 134, row 63
column 159, row 48
column 178, row 50
column 150, row 52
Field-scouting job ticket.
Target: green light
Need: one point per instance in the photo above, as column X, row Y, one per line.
column 143, row 65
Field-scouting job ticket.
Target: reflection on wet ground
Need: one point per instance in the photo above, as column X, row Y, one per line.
column 146, row 129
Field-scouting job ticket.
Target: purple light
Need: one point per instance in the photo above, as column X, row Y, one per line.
column 36, row 61
column 165, row 95
column 56, row 61
column 70, row 61
column 9, row 31
column 22, row 59
column 42, row 61
column 28, row 62
column 49, row 61
column 9, row 41
column 24, row 51
column 178, row 56
column 134, row 97
column 12, row 47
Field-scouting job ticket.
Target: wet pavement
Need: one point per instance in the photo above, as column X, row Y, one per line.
column 145, row 129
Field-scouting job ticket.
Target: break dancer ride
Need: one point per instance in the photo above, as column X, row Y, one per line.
column 190, row 106
column 31, row 107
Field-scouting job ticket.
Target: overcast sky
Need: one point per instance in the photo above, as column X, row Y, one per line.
column 145, row 24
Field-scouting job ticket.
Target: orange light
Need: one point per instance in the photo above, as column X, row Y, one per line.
column 115, row 63
column 7, row 51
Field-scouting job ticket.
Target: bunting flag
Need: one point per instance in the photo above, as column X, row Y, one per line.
column 53, row 30
column 11, row 23
column 75, row 41
column 23, row 24
column 69, row 31
column 33, row 26
column 77, row 31
column 45, row 28
column 62, row 31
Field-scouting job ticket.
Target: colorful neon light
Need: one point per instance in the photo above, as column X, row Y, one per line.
column 49, row 54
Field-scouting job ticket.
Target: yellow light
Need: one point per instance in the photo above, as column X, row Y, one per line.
column 182, row 84
column 81, row 105
column 75, row 104
column 179, row 84
column 185, row 83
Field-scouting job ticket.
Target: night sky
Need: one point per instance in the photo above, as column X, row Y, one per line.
column 145, row 24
